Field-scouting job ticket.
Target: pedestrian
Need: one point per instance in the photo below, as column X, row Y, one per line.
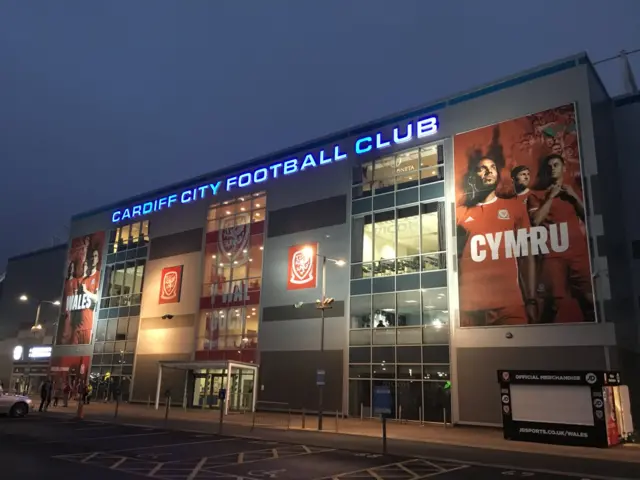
column 57, row 393
column 66, row 391
column 89, row 391
column 45, row 394
column 1, row 388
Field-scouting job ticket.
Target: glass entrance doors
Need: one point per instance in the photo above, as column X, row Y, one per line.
column 237, row 380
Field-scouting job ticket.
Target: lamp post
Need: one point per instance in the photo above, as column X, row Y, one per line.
column 37, row 326
column 322, row 304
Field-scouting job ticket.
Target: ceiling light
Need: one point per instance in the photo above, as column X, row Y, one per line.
column 261, row 248
column 244, row 251
column 410, row 301
column 235, row 262
column 258, row 205
column 241, row 199
column 242, row 209
column 228, row 254
column 257, row 214
column 228, row 212
column 213, row 256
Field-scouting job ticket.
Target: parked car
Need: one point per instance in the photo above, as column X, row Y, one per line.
column 15, row 405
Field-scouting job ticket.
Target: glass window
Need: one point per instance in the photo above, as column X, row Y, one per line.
column 436, row 372
column 430, row 226
column 129, row 275
column 132, row 329
column 384, row 237
column 257, row 216
column 135, row 232
column 360, row 398
column 409, row 336
column 385, row 168
column 435, row 307
column 363, row 173
column 101, row 331
column 360, row 337
column 145, row 230
column 384, row 336
column 384, row 310
column 436, row 401
column 260, row 201
column 98, row 347
column 428, row 156
column 362, row 239
column 410, row 371
column 359, row 371
column 384, row 370
column 409, row 308
column 408, row 231
column 407, row 162
column 124, row 234
column 360, row 311
column 139, row 276
column 123, row 327
column 112, row 327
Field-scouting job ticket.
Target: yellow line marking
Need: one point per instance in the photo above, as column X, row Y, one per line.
column 275, row 453
column 240, row 458
column 306, row 449
column 409, row 471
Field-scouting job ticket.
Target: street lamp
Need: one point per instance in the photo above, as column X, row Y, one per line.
column 323, row 304
column 37, row 326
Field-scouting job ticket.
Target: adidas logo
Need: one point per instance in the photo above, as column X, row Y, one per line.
column 469, row 219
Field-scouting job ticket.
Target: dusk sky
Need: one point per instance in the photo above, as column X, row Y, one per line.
column 100, row 101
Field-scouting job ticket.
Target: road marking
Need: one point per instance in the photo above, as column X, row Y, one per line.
column 155, row 469
column 96, row 427
column 241, row 457
column 373, row 474
column 173, row 444
column 89, row 457
column 537, row 470
column 125, row 435
column 118, row 463
column 195, row 471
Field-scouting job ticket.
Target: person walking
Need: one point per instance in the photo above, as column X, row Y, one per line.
column 89, row 391
column 57, row 393
column 45, row 395
column 66, row 392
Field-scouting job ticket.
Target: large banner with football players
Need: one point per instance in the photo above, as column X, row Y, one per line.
column 81, row 287
column 520, row 216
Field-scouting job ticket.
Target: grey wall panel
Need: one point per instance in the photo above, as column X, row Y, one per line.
column 72, row 351
column 306, row 310
column 477, row 381
column 176, row 244
column 308, row 216
column 333, row 242
column 38, row 275
column 290, row 378
column 303, row 334
column 146, row 377
column 308, row 186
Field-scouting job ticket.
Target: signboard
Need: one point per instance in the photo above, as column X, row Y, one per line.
column 320, row 374
column 39, row 352
column 520, row 216
column 222, row 394
column 170, row 285
column 382, row 400
column 602, row 431
column 402, row 134
column 302, row 267
column 18, row 353
column 81, row 286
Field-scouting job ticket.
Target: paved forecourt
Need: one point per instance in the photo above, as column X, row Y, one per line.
column 105, row 451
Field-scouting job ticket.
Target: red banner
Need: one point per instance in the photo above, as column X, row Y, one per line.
column 302, row 267
column 522, row 242
column 81, row 286
column 170, row 285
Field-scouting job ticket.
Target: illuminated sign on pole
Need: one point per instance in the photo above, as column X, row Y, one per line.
column 410, row 130
column 39, row 352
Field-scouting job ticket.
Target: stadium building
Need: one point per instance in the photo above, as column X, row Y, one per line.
column 481, row 232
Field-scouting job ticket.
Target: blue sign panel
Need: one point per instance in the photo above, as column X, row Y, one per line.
column 410, row 130
column 320, row 377
column 382, row 401
column 222, row 394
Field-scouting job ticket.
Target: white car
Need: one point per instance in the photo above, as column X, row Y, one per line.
column 15, row 405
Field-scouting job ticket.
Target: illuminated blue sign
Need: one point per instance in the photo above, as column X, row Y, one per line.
column 411, row 130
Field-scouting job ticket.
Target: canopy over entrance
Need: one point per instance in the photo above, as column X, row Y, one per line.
column 238, row 379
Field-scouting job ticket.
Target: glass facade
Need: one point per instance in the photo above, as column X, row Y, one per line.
column 399, row 317
column 230, row 297
column 116, row 332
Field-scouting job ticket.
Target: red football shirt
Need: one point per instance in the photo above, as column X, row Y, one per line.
column 562, row 211
column 488, row 269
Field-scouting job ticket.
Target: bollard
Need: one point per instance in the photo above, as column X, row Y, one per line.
column 420, row 416
column 444, row 417
column 149, row 401
column 384, row 434
column 80, row 412
column 289, row 420
column 303, row 420
column 166, row 409
column 361, row 412
column 115, row 414
column 222, row 404
column 253, row 419
column 337, row 418
column 400, row 413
